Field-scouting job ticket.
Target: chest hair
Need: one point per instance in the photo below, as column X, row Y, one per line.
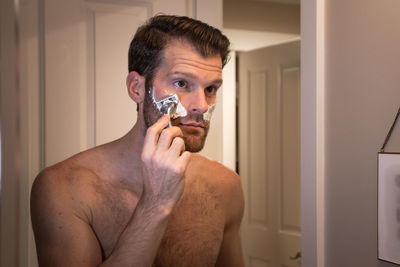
column 193, row 235
column 195, row 230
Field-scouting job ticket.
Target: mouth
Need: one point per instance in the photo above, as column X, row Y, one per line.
column 193, row 125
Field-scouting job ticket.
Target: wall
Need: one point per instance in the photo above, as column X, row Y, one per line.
column 261, row 16
column 9, row 135
column 362, row 96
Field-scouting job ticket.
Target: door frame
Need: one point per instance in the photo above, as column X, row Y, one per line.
column 312, row 135
column 313, row 132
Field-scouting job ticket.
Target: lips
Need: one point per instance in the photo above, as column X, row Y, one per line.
column 192, row 124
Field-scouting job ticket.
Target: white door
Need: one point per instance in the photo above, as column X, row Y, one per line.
column 269, row 154
column 81, row 49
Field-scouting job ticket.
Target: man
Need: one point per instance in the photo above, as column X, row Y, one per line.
column 147, row 199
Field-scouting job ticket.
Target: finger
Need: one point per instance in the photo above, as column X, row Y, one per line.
column 167, row 136
column 178, row 163
column 177, row 147
column 153, row 133
column 183, row 160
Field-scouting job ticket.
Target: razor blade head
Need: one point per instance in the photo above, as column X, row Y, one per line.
column 166, row 104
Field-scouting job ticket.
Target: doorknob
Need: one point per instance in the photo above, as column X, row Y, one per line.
column 297, row 256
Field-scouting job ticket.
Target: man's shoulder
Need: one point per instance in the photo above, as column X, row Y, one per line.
column 71, row 180
column 63, row 181
column 216, row 175
column 209, row 169
column 74, row 172
column 64, row 173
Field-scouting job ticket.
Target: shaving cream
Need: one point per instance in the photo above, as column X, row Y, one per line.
column 207, row 115
column 179, row 111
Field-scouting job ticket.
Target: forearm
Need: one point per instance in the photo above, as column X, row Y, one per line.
column 164, row 162
column 139, row 242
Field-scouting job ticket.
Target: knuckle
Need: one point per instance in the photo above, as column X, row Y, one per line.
column 181, row 141
column 156, row 160
column 176, row 171
column 153, row 160
column 151, row 130
column 166, row 133
column 177, row 131
column 145, row 157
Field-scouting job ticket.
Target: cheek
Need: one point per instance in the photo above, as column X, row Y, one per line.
column 208, row 114
column 179, row 110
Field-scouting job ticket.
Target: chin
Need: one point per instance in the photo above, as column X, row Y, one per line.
column 194, row 149
column 194, row 143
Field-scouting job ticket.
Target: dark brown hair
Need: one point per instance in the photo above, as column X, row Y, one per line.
column 145, row 51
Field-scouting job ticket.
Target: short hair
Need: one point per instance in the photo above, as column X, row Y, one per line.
column 145, row 51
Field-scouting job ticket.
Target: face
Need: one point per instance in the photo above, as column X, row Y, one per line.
column 195, row 80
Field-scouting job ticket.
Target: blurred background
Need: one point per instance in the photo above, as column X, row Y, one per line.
column 302, row 135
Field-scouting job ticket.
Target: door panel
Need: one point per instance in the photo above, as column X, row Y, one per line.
column 63, row 73
column 112, row 32
column 269, row 154
column 257, row 185
column 290, row 160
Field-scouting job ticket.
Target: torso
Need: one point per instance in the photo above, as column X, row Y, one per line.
column 194, row 232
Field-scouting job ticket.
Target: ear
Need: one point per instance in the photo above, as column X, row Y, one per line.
column 136, row 86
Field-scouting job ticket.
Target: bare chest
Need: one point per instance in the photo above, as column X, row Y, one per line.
column 193, row 235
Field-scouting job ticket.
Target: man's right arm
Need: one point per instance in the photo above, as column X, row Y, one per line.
column 164, row 161
column 65, row 238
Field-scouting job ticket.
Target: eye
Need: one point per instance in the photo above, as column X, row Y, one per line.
column 211, row 90
column 180, row 84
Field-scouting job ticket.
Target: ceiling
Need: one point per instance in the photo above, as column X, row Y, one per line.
column 292, row 2
column 252, row 24
column 244, row 40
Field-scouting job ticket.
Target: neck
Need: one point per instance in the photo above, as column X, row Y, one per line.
column 126, row 152
column 131, row 144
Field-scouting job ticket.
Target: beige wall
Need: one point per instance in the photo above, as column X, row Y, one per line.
column 261, row 16
column 362, row 96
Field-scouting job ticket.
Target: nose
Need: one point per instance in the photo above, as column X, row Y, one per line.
column 197, row 102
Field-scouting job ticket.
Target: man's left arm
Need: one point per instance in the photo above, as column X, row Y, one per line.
column 231, row 249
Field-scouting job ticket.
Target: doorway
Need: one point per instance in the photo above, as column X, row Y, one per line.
column 268, row 131
column 269, row 154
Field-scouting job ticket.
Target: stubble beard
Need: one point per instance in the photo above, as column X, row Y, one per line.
column 194, row 139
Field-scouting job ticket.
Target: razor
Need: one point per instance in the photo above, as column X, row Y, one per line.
column 168, row 105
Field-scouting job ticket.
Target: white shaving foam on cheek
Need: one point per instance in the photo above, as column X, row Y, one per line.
column 180, row 110
column 208, row 114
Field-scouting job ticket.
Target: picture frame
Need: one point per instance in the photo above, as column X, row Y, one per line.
column 389, row 207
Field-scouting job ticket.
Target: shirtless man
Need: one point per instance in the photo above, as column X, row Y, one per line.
column 147, row 199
